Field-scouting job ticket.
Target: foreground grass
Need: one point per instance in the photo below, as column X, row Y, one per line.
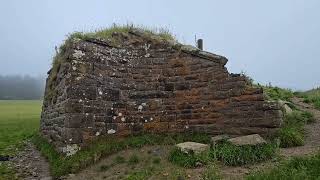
column 292, row 132
column 227, row 153
column 61, row 165
column 296, row 168
column 19, row 120
column 276, row 93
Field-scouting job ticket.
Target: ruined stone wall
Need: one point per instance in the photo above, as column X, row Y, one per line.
column 142, row 87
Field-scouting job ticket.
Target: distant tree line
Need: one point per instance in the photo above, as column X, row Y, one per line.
column 15, row 87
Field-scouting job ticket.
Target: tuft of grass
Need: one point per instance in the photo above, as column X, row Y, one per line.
column 188, row 160
column 295, row 168
column 276, row 93
column 7, row 173
column 211, row 173
column 119, row 160
column 292, row 131
column 103, row 147
column 134, row 159
column 233, row 155
column 140, row 174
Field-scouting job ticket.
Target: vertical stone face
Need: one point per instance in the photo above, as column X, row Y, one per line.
column 152, row 88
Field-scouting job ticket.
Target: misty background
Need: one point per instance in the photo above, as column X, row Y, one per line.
column 271, row 41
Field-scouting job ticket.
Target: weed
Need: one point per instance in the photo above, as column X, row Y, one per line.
column 119, row 160
column 134, row 159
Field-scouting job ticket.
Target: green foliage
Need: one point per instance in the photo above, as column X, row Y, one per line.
column 134, row 159
column 102, row 147
column 312, row 96
column 292, row 131
column 276, row 93
column 296, row 168
column 232, row 155
column 188, row 160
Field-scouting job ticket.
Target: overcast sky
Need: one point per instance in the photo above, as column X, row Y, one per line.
column 272, row 41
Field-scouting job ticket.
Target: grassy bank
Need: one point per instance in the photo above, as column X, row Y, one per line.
column 19, row 120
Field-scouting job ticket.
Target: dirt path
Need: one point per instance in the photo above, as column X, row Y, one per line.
column 312, row 145
column 30, row 165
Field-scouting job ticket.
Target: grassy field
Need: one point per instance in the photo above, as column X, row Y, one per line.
column 19, row 120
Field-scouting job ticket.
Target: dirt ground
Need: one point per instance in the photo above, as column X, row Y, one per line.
column 153, row 159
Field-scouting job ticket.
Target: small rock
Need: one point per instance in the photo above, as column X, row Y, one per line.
column 253, row 139
column 193, row 147
column 287, row 109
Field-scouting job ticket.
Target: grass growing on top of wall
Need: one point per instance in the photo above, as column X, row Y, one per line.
column 276, row 93
column 154, row 34
column 61, row 165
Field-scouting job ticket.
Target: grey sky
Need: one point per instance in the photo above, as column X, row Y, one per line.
column 272, row 41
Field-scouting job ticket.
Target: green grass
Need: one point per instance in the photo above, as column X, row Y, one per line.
column 312, row 96
column 292, row 131
column 105, row 146
column 134, row 159
column 188, row 160
column 226, row 153
column 276, row 93
column 232, row 155
column 295, row 168
column 19, row 120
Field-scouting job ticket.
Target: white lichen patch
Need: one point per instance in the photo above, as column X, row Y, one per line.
column 78, row 54
column 187, row 127
column 123, row 119
column 151, row 119
column 100, row 91
column 120, row 114
column 74, row 68
column 70, row 150
column 140, row 108
column 97, row 133
column 144, row 104
column 145, row 120
column 111, row 131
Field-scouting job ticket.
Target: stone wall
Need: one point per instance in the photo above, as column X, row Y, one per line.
column 146, row 86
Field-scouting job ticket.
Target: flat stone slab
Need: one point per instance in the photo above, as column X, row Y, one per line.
column 253, row 139
column 192, row 147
